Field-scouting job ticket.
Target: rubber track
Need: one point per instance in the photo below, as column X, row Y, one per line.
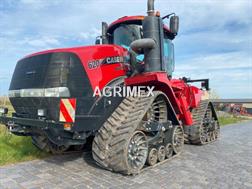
column 44, row 145
column 110, row 143
column 198, row 115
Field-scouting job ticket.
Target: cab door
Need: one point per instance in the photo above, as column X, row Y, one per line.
column 169, row 62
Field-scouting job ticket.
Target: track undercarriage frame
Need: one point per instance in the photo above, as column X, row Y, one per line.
column 145, row 131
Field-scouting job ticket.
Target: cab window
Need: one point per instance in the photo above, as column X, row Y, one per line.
column 168, row 55
column 125, row 34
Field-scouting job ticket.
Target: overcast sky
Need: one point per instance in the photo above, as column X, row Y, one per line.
column 215, row 38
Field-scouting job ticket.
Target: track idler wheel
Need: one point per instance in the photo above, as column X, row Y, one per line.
column 161, row 153
column 168, row 151
column 137, row 151
column 178, row 139
column 152, row 157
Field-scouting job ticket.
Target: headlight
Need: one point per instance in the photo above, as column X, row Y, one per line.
column 32, row 92
column 4, row 111
column 57, row 92
column 47, row 92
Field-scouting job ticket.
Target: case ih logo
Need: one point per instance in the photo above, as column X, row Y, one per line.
column 109, row 60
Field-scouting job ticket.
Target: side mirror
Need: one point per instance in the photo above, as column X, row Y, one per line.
column 103, row 39
column 174, row 24
column 104, row 33
column 98, row 40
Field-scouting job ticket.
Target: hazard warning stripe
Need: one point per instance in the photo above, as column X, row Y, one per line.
column 72, row 102
column 67, row 110
column 66, row 113
column 62, row 118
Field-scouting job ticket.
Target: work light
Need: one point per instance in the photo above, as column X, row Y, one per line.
column 41, row 112
column 3, row 111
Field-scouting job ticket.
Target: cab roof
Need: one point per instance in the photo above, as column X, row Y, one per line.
column 131, row 19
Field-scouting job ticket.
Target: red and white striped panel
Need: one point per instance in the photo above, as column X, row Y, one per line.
column 67, row 110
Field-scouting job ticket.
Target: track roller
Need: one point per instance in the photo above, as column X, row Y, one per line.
column 161, row 153
column 168, row 151
column 152, row 157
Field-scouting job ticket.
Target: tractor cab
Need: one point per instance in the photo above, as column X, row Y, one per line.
column 128, row 29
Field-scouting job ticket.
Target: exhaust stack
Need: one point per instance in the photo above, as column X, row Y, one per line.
column 153, row 30
column 151, row 9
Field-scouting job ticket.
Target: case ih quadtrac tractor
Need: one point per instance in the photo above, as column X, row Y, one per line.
column 56, row 102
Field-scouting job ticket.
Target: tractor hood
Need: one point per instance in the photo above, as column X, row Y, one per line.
column 40, row 80
column 100, row 64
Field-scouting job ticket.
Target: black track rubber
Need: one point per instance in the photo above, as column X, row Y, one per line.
column 111, row 141
column 43, row 143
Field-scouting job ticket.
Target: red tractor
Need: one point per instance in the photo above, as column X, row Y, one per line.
column 53, row 94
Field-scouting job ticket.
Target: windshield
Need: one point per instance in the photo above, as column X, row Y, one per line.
column 124, row 35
